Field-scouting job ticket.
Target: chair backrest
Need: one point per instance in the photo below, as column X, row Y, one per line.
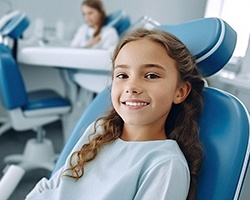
column 224, row 123
column 224, row 134
column 119, row 20
column 12, row 89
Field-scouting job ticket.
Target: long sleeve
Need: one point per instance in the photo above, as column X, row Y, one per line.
column 45, row 184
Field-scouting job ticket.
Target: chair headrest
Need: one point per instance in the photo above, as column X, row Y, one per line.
column 119, row 20
column 7, row 17
column 211, row 40
column 15, row 26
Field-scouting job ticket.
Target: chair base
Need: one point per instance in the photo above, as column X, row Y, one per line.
column 37, row 155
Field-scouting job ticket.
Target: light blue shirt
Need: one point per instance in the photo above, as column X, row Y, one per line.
column 123, row 170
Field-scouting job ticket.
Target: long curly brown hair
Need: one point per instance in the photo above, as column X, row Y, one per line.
column 181, row 124
column 98, row 5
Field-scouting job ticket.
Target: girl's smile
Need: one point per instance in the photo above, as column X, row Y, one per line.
column 134, row 104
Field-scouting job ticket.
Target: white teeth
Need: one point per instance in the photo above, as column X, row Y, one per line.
column 135, row 103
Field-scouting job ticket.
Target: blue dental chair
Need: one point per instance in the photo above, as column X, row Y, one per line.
column 28, row 110
column 12, row 26
column 224, row 123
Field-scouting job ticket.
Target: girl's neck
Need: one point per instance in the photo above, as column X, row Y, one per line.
column 142, row 133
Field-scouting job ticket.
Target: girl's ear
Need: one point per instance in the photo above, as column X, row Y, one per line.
column 182, row 92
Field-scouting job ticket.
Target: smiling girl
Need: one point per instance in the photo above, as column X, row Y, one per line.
column 147, row 146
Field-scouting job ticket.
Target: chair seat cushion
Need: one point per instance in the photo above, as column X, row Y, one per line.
column 44, row 99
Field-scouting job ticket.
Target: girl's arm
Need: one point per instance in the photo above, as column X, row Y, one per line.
column 45, row 184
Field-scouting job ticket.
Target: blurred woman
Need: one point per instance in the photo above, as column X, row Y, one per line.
column 94, row 33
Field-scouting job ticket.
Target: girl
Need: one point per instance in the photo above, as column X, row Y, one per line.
column 147, row 146
column 94, row 34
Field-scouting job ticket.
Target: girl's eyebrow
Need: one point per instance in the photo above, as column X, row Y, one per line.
column 147, row 66
column 157, row 66
column 120, row 66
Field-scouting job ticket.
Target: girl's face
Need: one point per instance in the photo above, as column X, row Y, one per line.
column 145, row 84
column 91, row 15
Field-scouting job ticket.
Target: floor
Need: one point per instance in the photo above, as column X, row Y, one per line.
column 13, row 142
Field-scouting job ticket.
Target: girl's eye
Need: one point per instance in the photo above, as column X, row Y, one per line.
column 122, row 76
column 152, row 76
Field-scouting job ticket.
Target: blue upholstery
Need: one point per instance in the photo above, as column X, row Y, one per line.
column 216, row 46
column 224, row 132
column 12, row 89
column 224, row 122
column 119, row 20
column 12, row 25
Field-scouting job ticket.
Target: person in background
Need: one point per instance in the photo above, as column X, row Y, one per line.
column 94, row 33
column 147, row 146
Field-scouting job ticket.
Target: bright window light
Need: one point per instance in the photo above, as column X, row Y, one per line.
column 237, row 14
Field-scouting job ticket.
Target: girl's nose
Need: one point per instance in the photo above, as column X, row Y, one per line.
column 134, row 87
column 132, row 91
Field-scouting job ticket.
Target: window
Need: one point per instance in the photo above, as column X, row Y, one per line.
column 237, row 14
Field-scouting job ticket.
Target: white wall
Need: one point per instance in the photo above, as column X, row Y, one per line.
column 163, row 11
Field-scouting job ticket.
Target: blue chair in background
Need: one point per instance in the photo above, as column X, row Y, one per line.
column 12, row 26
column 119, row 20
column 224, row 123
column 28, row 110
